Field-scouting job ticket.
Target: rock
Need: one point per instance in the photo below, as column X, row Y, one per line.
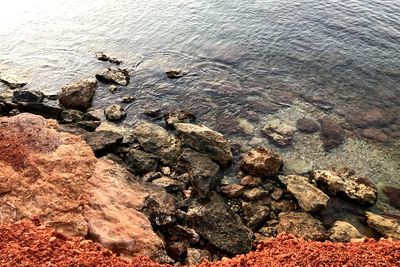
column 114, row 112
column 372, row 118
column 141, row 162
column 284, row 205
column 169, row 184
column 126, row 132
column 320, row 101
column 279, row 133
column 202, row 170
column 355, row 188
column 43, row 173
column 177, row 251
column 307, row 125
column 310, row 198
column 114, row 75
column 101, row 141
column 205, row 140
column 174, row 74
column 90, row 126
column 277, row 193
column 196, row 256
column 128, row 99
column 160, row 208
column 113, row 88
column 71, row 115
column 3, row 109
column 78, row 95
column 179, row 116
column 254, row 214
column 302, row 225
column 179, row 232
column 255, row 193
column 47, row 110
column 393, row 194
column 12, row 80
column 232, row 190
column 103, row 57
column 343, row 232
column 93, row 115
column 268, row 231
column 27, row 96
column 220, row 226
column 332, row 134
column 113, row 204
column 297, row 166
column 375, row 134
column 388, row 227
column 155, row 139
column 261, row 162
column 250, row 181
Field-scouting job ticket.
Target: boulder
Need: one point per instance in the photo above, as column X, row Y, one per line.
column 27, row 96
column 141, row 162
column 344, row 232
column 101, row 141
column 261, row 162
column 353, row 187
column 220, row 226
column 112, row 211
column 155, row 139
column 43, row 173
column 90, row 126
column 93, row 115
column 202, row 170
column 279, row 133
column 301, row 224
column 307, row 125
column 174, row 74
column 310, row 198
column 114, row 75
column 387, row 226
column 46, row 109
column 332, row 134
column 114, row 112
column 13, row 81
column 205, row 140
column 254, row 214
column 78, row 95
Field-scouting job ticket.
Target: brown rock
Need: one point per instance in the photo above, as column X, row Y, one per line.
column 374, row 117
column 232, row 190
column 261, row 162
column 114, row 75
column 255, row 193
column 332, row 134
column 375, row 134
column 344, row 232
column 250, row 181
column 393, row 194
column 78, row 95
column 196, row 256
column 307, row 125
column 388, row 227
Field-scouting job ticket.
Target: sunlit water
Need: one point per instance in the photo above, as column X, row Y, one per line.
column 247, row 62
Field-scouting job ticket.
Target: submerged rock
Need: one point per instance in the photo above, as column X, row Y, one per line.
column 103, row 57
column 220, row 226
column 372, row 118
column 179, row 116
column 375, row 134
column 114, row 75
column 101, row 141
column 279, row 133
column 310, row 198
column 78, row 95
column 307, row 125
column 205, row 140
column 301, row 224
column 114, row 112
column 155, row 139
column 13, row 81
column 386, row 226
column 332, row 134
column 355, row 188
column 344, row 232
column 202, row 170
column 27, row 96
column 261, row 162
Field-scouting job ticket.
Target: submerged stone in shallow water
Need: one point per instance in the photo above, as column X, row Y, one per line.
column 279, row 133
column 332, row 134
column 261, row 162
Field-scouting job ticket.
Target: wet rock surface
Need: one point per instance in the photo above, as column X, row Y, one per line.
column 261, row 162
column 332, row 134
column 307, row 125
column 179, row 116
column 78, row 95
column 104, row 57
column 279, row 133
column 13, row 81
column 27, row 96
column 114, row 112
column 114, row 75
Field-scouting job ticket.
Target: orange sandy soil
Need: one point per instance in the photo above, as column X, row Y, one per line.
column 24, row 244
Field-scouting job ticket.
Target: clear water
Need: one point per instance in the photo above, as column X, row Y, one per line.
column 248, row 61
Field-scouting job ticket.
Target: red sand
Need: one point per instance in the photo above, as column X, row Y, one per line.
column 24, row 244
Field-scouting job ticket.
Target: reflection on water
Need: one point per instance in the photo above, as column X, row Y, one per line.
column 248, row 62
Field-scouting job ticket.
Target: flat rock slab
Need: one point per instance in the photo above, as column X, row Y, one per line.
column 101, row 141
column 114, row 75
column 13, row 81
column 388, row 227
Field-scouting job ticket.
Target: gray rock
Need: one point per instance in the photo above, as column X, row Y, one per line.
column 101, row 141
column 155, row 139
column 178, row 116
column 332, row 134
column 261, row 162
column 205, row 140
column 114, row 75
column 389, row 227
column 114, row 112
column 71, row 115
column 27, row 96
column 141, row 162
column 355, row 188
column 343, row 232
column 220, row 226
column 169, row 184
column 93, row 115
column 13, row 81
column 45, row 109
column 202, row 170
column 90, row 126
column 126, row 132
column 78, row 95
column 196, row 256
column 301, row 224
column 279, row 133
column 310, row 198
column 103, row 57
column 174, row 74
column 254, row 214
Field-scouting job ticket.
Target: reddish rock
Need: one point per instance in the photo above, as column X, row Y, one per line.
column 232, row 190
column 261, row 162
column 332, row 134
column 307, row 125
column 250, row 181
column 393, row 194
column 374, row 117
column 375, row 134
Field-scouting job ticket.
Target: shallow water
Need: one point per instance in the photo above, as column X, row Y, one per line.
column 248, row 61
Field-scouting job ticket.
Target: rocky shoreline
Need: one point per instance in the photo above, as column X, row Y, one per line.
column 160, row 190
